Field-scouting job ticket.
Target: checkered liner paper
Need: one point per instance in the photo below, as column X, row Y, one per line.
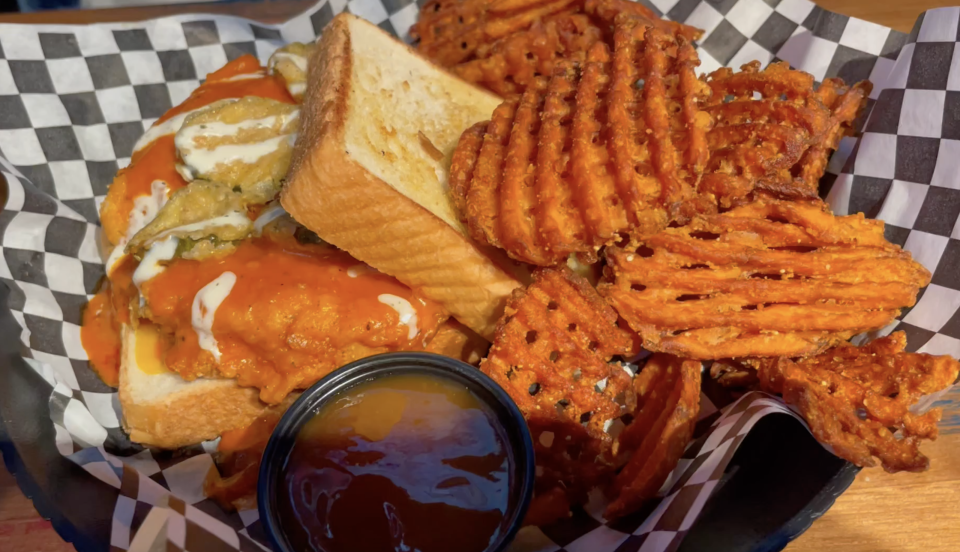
column 74, row 99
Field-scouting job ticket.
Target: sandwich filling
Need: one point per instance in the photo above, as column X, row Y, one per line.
column 202, row 251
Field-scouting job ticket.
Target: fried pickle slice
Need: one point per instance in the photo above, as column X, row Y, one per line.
column 290, row 62
column 551, row 353
column 244, row 143
column 773, row 131
column 858, row 399
column 615, row 145
column 668, row 402
column 196, row 211
column 770, row 278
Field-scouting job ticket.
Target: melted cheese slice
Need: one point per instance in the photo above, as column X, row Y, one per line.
column 147, row 350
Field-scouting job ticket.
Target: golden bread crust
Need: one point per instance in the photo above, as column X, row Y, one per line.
column 333, row 195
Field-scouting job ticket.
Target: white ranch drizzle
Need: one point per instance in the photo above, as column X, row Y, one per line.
column 408, row 315
column 116, row 255
column 299, row 61
column 198, row 160
column 296, row 88
column 145, row 209
column 272, row 212
column 205, row 305
column 245, row 76
column 186, row 137
column 150, row 266
column 170, row 126
column 361, row 269
column 201, row 161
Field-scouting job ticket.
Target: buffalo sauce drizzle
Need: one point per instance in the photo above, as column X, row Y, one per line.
column 239, row 452
column 100, row 330
column 219, row 86
column 100, row 335
column 101, row 320
column 157, row 160
column 293, row 313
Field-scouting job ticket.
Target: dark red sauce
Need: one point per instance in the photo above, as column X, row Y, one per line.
column 403, row 463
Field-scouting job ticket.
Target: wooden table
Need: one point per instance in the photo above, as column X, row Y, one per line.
column 880, row 512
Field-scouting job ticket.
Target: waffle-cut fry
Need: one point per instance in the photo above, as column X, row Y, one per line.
column 735, row 373
column 508, row 46
column 845, row 104
column 771, row 278
column 615, row 145
column 858, row 399
column 528, row 58
column 451, row 31
column 731, row 342
column 668, row 404
column 464, row 162
column 552, row 354
column 773, row 132
column 608, row 10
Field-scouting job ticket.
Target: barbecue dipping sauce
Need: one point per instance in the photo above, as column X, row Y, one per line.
column 402, row 463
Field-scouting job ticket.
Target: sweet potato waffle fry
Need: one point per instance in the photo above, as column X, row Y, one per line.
column 735, row 373
column 450, row 31
column 845, row 105
column 507, row 46
column 527, row 58
column 773, row 132
column 606, row 12
column 668, row 402
column 770, row 278
column 613, row 146
column 552, row 354
column 858, row 399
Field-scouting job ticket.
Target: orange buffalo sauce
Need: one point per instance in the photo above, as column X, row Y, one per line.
column 100, row 332
column 250, row 437
column 100, row 335
column 239, row 452
column 293, row 315
column 157, row 160
column 218, row 86
column 100, row 325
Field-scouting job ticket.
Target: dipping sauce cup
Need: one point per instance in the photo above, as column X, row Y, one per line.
column 398, row 452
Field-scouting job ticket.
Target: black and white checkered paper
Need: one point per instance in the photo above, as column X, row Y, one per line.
column 74, row 99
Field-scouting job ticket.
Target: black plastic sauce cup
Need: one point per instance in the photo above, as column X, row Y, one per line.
column 501, row 407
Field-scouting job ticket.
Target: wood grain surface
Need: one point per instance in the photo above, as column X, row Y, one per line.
column 269, row 11
column 879, row 513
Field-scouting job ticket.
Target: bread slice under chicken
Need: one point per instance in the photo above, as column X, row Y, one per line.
column 164, row 410
column 370, row 169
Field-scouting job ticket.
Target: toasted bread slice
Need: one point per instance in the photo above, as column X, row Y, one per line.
column 162, row 409
column 370, row 169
